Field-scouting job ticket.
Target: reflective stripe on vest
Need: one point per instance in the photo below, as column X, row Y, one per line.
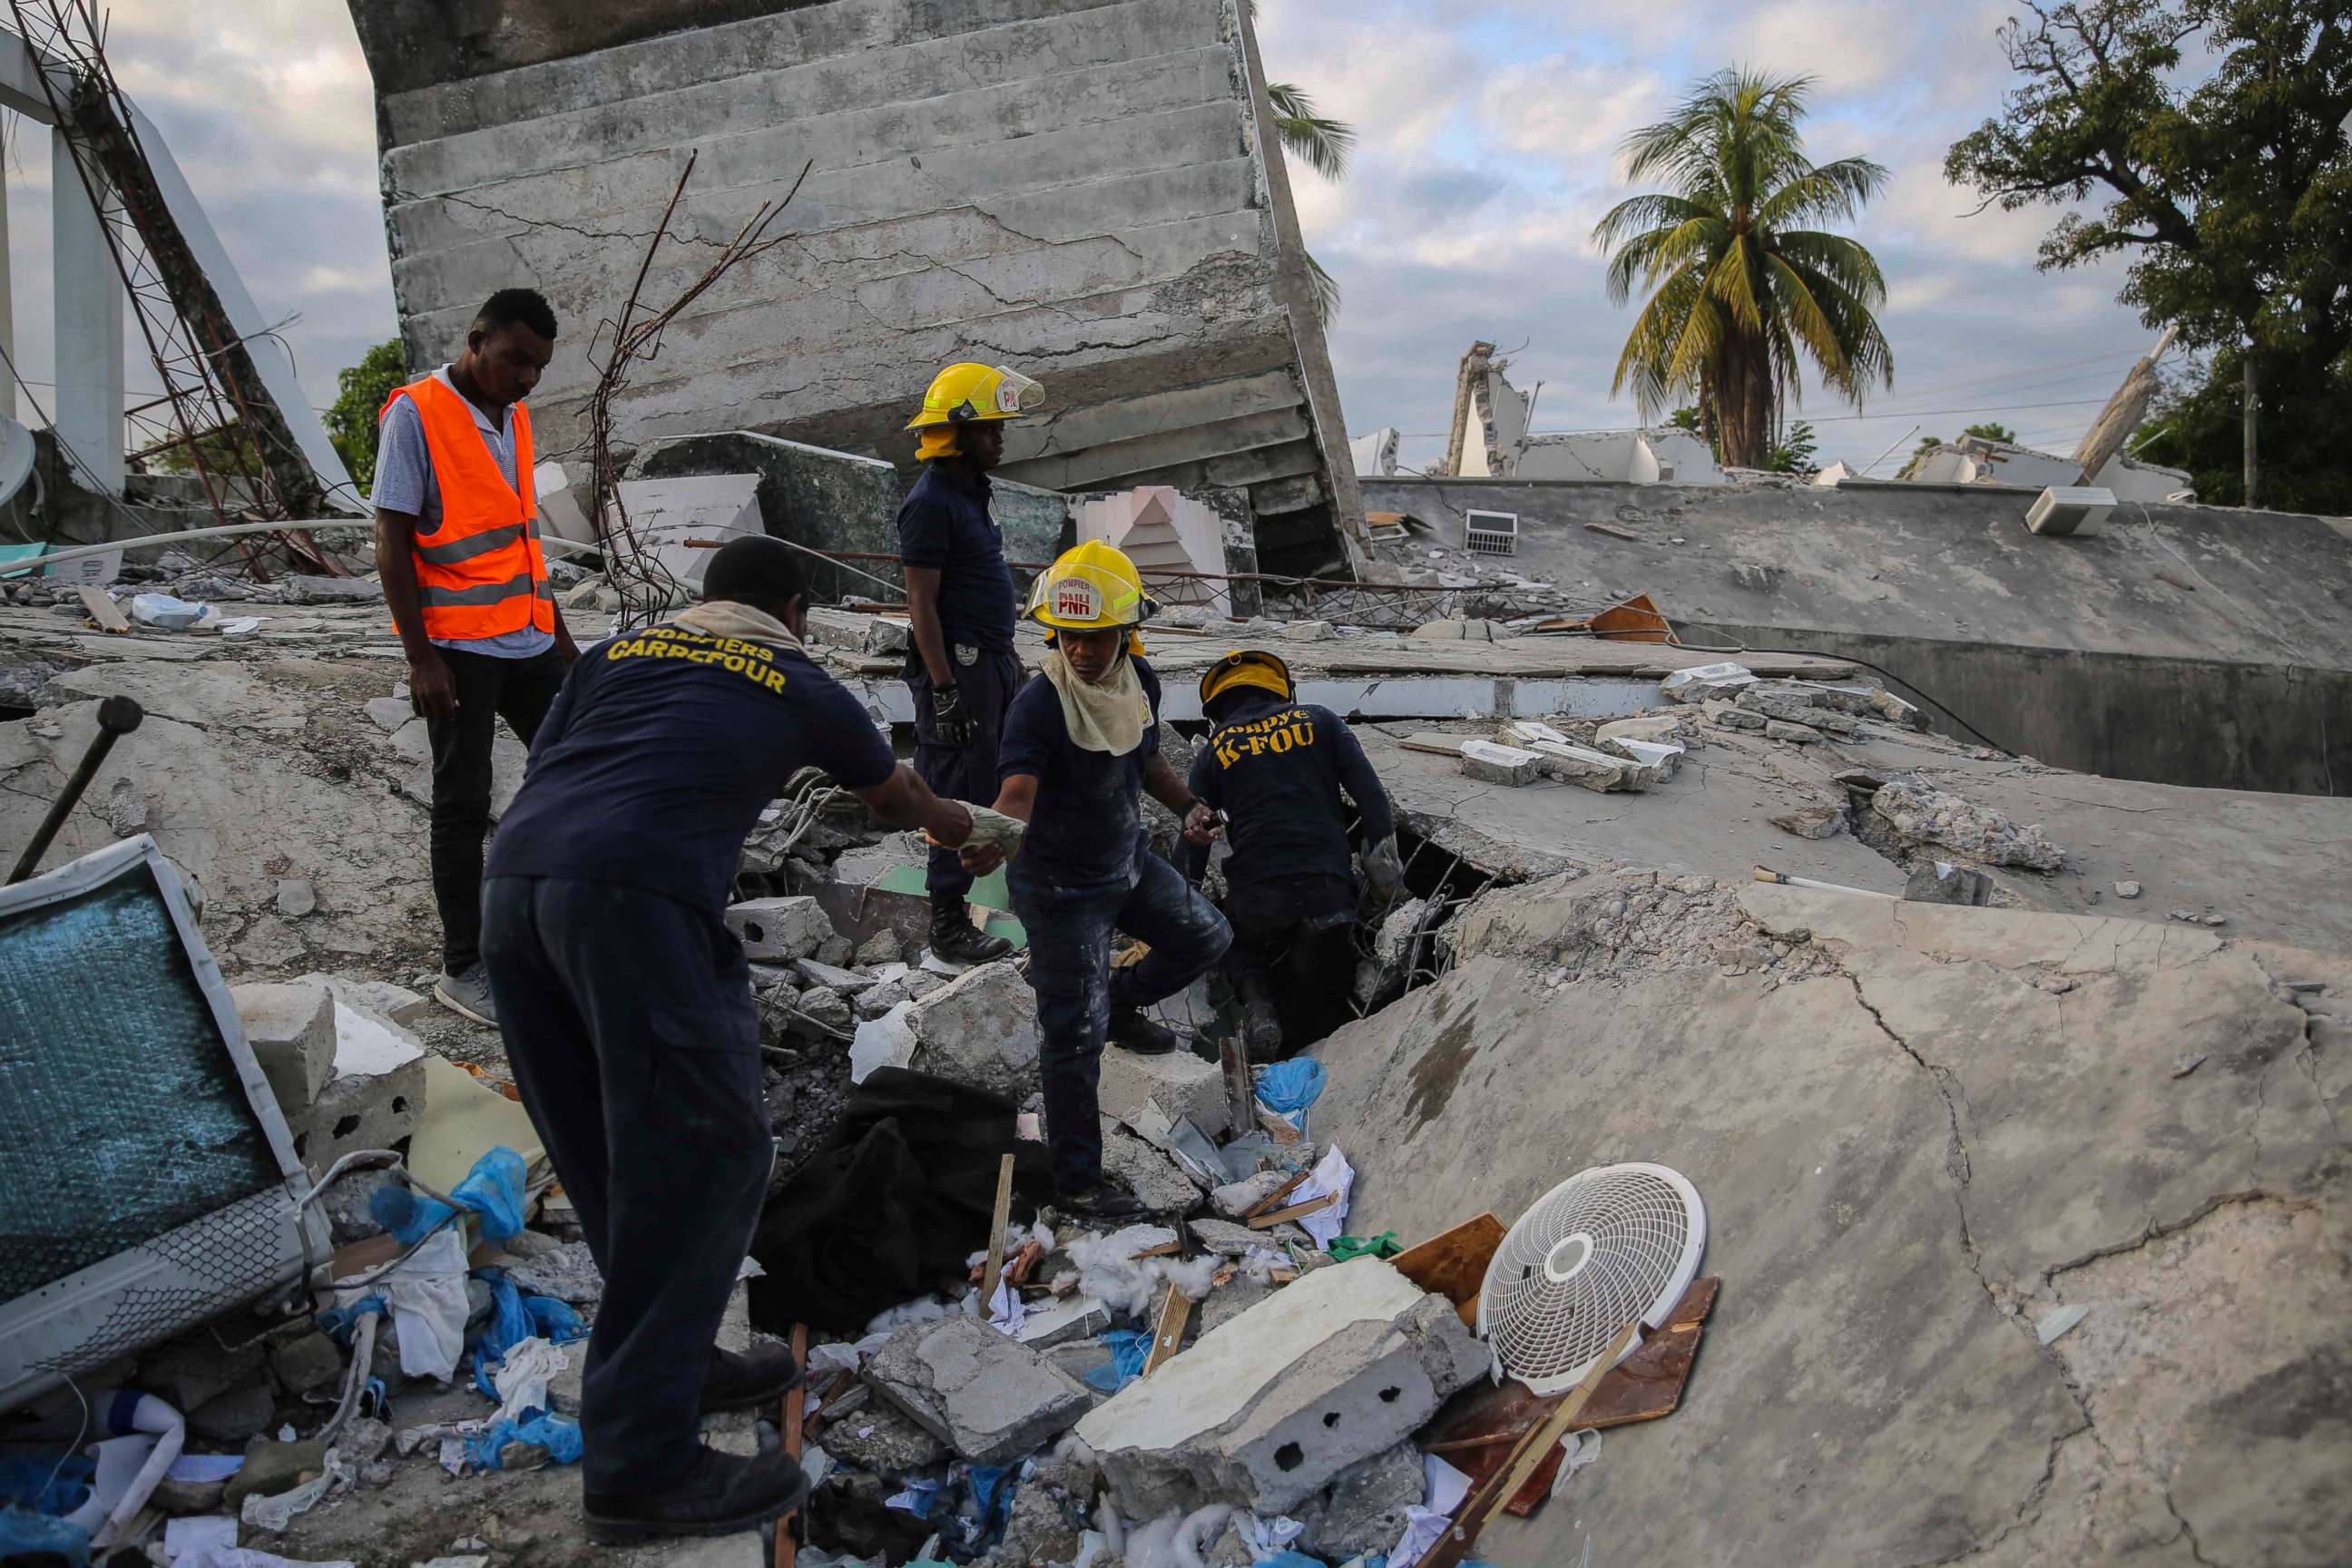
column 482, row 573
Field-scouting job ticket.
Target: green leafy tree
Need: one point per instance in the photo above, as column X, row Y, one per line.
column 2232, row 195
column 1325, row 145
column 1793, row 453
column 1688, row 418
column 2199, row 425
column 1741, row 290
column 360, row 389
column 1993, row 432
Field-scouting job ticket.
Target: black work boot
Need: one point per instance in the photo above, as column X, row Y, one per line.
column 955, row 940
column 751, row 1381
column 1131, row 1030
column 1105, row 1200
column 1261, row 1030
column 720, row 1494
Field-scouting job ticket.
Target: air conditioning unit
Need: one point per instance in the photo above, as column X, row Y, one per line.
column 1490, row 532
column 2070, row 509
column 151, row 1179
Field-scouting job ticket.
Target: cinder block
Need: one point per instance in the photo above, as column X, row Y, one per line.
column 361, row 1110
column 1270, row 1407
column 1177, row 1084
column 777, row 931
column 291, row 1028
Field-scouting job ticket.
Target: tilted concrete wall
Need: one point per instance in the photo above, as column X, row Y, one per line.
column 1077, row 188
column 2184, row 645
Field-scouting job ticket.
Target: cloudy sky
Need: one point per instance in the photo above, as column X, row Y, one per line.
column 1487, row 136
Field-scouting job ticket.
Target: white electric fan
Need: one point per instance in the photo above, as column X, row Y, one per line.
column 1603, row 1248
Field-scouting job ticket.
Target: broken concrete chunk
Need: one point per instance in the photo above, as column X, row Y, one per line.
column 981, row 1028
column 1583, row 766
column 1928, row 816
column 1307, row 631
column 309, row 1362
column 1942, row 882
column 777, row 931
column 878, row 1435
column 361, row 1110
column 1226, row 1238
column 883, row 947
column 1159, row 1181
column 990, row 1399
column 1490, row 763
column 1064, row 1322
column 194, row 1370
column 1795, row 734
column 1240, row 1197
column 821, row 1015
column 1658, row 760
column 291, row 1028
column 848, row 982
column 1272, row 1406
column 1811, row 821
column 1664, row 729
column 1176, row 1085
column 2128, row 890
column 1439, row 631
column 239, row 1415
column 1703, row 681
column 296, row 897
column 1732, row 718
column 1364, row 1510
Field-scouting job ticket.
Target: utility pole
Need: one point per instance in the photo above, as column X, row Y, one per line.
column 2253, row 422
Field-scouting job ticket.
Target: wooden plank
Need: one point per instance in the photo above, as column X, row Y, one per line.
column 1482, row 1504
column 1436, row 745
column 1168, row 1336
column 104, row 610
column 1281, row 1131
column 795, row 1418
column 1312, row 1206
column 1240, row 1091
column 1004, row 1216
column 1453, row 1263
column 1274, row 1199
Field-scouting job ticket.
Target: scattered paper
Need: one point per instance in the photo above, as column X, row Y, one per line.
column 2056, row 1323
column 1332, row 1175
column 197, row 1533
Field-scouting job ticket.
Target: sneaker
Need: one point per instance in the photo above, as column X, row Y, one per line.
column 467, row 995
column 1132, row 1031
column 720, row 1494
column 1104, row 1200
column 955, row 940
column 751, row 1381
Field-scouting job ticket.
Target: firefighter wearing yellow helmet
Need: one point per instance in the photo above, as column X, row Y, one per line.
column 1275, row 769
column 1081, row 748
column 961, row 667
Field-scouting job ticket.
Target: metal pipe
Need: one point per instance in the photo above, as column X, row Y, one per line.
column 234, row 530
column 117, row 717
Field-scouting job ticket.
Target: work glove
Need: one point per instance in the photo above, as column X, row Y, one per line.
column 951, row 723
column 1383, row 870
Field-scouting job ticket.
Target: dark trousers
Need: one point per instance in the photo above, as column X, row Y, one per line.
column 1295, row 935
column 988, row 685
column 1070, row 967
column 629, row 1025
column 519, row 692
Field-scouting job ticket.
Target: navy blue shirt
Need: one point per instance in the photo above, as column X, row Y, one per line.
column 1088, row 822
column 945, row 523
column 660, row 753
column 1275, row 769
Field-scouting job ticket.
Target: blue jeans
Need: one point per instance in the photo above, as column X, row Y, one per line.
column 1069, row 931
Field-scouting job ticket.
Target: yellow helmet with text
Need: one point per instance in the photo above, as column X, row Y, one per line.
column 963, row 392
column 1089, row 588
column 1247, row 667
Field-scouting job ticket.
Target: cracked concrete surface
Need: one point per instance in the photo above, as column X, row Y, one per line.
column 1918, row 1130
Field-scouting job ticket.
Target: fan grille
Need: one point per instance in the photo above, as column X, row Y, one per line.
column 1602, row 1248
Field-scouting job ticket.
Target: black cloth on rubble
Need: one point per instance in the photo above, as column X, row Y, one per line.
column 892, row 1205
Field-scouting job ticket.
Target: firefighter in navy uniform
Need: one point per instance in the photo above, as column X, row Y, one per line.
column 627, row 1006
column 961, row 667
column 1275, row 768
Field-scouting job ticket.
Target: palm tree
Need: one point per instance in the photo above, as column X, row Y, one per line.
column 1736, row 289
column 1324, row 145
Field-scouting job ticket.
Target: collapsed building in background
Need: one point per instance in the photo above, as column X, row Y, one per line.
column 1085, row 192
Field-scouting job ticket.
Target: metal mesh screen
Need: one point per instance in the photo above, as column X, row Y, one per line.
column 122, row 1118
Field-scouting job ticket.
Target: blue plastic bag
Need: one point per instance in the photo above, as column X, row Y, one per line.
column 1128, row 1347
column 559, row 1435
column 492, row 1189
column 47, row 1484
column 27, row 1534
column 1291, row 1086
column 514, row 1318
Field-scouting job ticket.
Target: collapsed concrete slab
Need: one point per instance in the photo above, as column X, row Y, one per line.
column 1151, row 1093
column 1090, row 193
column 990, row 1399
column 1272, row 1406
column 777, row 931
column 1918, row 1130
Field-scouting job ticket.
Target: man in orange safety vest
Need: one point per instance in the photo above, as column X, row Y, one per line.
column 458, row 553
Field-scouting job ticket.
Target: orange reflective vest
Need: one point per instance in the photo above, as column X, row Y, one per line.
column 482, row 573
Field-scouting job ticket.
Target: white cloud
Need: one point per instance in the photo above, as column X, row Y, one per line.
column 1571, row 111
column 1848, row 44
